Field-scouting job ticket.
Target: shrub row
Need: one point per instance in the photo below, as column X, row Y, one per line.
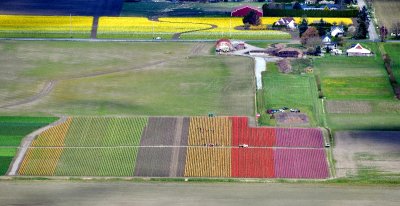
column 393, row 82
column 309, row 13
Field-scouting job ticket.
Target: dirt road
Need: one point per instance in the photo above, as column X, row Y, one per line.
column 128, row 193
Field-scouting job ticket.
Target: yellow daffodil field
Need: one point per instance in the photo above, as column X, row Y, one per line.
column 15, row 26
column 45, row 26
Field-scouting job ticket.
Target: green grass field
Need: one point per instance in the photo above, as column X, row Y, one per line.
column 354, row 78
column 290, row 90
column 362, row 79
column 12, row 130
column 95, row 78
column 393, row 49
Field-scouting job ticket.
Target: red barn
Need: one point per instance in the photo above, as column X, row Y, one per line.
column 245, row 9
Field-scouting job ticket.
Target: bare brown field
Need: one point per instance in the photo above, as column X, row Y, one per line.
column 348, row 107
column 361, row 152
column 154, row 161
column 387, row 12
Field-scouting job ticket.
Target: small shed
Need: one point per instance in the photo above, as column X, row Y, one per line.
column 223, row 45
column 241, row 11
column 289, row 52
column 358, row 50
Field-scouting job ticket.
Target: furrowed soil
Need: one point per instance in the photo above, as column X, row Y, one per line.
column 372, row 154
column 170, row 194
column 168, row 161
column 348, row 107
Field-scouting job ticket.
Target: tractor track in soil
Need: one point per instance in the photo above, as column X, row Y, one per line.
column 49, row 86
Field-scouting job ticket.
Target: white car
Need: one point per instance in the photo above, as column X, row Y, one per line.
column 243, row 145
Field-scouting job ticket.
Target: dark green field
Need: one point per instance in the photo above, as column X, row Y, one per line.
column 12, row 130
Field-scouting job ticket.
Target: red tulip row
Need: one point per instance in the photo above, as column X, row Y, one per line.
column 254, row 162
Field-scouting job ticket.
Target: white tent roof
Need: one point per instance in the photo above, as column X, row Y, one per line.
column 358, row 49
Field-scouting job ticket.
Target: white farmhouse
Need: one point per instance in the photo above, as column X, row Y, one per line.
column 358, row 50
column 286, row 21
column 337, row 31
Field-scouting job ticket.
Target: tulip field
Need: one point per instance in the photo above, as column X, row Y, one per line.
column 175, row 147
column 16, row 26
column 205, row 130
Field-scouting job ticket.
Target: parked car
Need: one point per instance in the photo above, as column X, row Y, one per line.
column 295, row 110
column 285, row 108
column 272, row 111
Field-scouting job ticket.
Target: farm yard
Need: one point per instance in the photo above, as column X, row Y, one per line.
column 109, row 101
column 167, row 149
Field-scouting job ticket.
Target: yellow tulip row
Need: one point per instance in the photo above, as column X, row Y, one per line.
column 208, row 162
column 210, row 130
column 40, row 161
column 54, row 136
column 45, row 23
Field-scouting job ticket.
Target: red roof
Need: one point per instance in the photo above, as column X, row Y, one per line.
column 244, row 9
column 223, row 40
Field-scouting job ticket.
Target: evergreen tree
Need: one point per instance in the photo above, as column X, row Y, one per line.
column 363, row 24
column 303, row 26
column 252, row 18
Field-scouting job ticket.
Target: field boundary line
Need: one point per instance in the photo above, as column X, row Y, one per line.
column 25, row 145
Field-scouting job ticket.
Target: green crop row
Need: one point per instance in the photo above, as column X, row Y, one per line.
column 97, row 162
column 102, row 131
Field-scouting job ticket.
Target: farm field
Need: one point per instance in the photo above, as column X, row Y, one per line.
column 289, row 90
column 86, row 146
column 358, row 92
column 103, row 193
column 15, row 26
column 393, row 49
column 12, row 131
column 136, row 79
column 386, row 11
column 166, row 161
column 173, row 147
column 368, row 155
